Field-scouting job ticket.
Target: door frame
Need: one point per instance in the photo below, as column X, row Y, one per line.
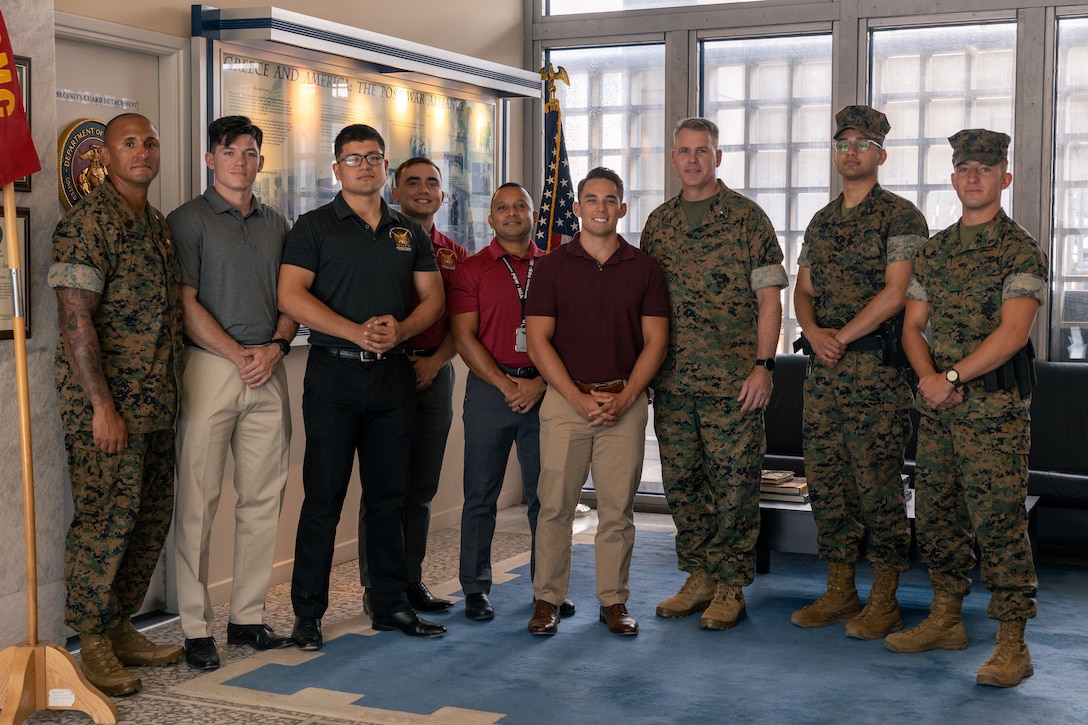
column 175, row 172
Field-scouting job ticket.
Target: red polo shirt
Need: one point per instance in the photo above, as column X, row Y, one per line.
column 449, row 254
column 482, row 284
column 598, row 309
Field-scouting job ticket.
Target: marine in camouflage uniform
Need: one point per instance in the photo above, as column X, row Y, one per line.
column 854, row 268
column 118, row 289
column 723, row 267
column 978, row 284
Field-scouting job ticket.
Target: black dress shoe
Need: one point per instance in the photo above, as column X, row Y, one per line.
column 478, row 607
column 422, row 600
column 201, row 654
column 408, row 622
column 566, row 609
column 258, row 636
column 307, row 633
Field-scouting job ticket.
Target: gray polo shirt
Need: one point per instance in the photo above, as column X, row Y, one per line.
column 232, row 261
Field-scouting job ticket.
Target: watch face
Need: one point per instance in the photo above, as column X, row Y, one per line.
column 952, row 376
column 767, row 363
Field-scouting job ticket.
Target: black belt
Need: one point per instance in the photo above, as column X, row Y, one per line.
column 357, row 355
column 867, row 344
column 527, row 373
column 421, row 351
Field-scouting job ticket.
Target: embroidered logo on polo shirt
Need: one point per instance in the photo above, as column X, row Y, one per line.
column 447, row 259
column 402, row 238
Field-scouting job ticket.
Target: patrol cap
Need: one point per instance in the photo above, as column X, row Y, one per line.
column 978, row 144
column 869, row 121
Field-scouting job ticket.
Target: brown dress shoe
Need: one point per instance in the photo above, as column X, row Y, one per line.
column 618, row 620
column 545, row 618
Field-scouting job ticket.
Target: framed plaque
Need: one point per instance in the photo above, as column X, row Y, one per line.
column 7, row 308
column 22, row 71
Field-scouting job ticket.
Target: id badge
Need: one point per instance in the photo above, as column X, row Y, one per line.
column 520, row 344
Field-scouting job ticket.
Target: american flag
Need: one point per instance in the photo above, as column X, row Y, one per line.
column 557, row 224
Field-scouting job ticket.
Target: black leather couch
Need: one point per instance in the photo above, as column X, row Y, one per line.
column 1058, row 463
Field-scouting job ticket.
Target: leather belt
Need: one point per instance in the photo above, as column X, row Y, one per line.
column 612, row 386
column 527, row 373
column 358, row 355
column 421, row 351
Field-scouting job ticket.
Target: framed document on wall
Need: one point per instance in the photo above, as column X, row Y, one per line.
column 301, row 104
column 7, row 307
column 22, row 71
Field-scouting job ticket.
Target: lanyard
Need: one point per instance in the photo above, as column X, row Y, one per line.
column 522, row 293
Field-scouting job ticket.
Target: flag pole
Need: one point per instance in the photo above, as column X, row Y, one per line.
column 556, row 223
column 36, row 676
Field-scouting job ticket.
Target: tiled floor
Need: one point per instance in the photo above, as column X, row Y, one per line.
column 163, row 700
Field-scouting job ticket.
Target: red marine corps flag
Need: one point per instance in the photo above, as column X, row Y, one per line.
column 556, row 224
column 18, row 158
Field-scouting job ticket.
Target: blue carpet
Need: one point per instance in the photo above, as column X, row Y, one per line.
column 764, row 671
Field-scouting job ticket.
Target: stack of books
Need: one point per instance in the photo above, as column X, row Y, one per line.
column 783, row 486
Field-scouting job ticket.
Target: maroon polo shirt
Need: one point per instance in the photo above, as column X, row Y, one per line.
column 598, row 309
column 448, row 254
column 482, row 284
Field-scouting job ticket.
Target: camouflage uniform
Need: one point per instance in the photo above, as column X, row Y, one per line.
column 856, row 421
column 972, row 459
column 122, row 502
column 712, row 452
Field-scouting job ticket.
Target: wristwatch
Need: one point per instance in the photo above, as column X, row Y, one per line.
column 952, row 375
column 766, row 362
column 285, row 347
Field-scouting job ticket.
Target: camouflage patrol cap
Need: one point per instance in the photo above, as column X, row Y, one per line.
column 869, row 121
column 978, row 144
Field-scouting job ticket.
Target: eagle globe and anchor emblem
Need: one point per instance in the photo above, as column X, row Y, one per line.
column 79, row 166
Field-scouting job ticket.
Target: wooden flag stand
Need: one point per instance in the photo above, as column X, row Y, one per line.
column 36, row 676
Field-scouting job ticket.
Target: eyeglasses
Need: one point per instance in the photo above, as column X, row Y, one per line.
column 373, row 159
column 861, row 144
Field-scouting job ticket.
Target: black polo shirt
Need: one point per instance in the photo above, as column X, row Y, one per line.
column 359, row 272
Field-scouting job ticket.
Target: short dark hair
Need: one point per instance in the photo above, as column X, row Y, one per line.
column 412, row 162
column 602, row 172
column 509, row 185
column 356, row 132
column 223, row 131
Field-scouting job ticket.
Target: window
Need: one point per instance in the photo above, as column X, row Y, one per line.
column 614, row 116
column 571, row 7
column 1069, row 263
column 931, row 83
column 771, row 100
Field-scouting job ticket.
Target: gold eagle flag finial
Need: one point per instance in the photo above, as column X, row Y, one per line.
column 550, row 76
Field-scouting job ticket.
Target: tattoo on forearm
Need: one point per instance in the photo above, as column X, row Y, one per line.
column 75, row 309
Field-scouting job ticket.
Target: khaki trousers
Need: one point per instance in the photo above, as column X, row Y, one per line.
column 568, row 448
column 220, row 413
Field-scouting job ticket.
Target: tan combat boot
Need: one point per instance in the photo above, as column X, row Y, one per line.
column 942, row 629
column 1010, row 662
column 880, row 616
column 694, row 596
column 101, row 667
column 838, row 604
column 726, row 609
column 132, row 648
